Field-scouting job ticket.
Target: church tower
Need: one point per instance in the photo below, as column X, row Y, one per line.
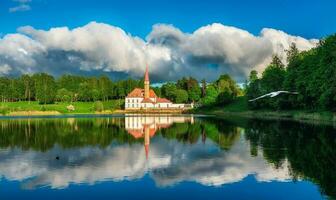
column 146, row 83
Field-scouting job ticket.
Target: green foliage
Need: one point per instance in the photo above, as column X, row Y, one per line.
column 181, row 96
column 98, row 106
column 4, row 110
column 310, row 73
column 45, row 87
column 225, row 97
column 64, row 95
column 253, row 76
column 192, row 87
column 227, row 90
column 210, row 96
column 168, row 90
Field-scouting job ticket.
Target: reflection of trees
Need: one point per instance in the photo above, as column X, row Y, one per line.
column 222, row 133
column 43, row 134
column 310, row 150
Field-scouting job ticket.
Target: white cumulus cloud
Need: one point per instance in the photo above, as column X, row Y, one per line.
column 170, row 53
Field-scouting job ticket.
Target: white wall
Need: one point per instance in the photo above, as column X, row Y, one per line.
column 147, row 105
column 132, row 103
column 163, row 105
column 135, row 103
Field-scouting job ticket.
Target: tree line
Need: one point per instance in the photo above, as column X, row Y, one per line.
column 188, row 89
column 310, row 73
column 47, row 89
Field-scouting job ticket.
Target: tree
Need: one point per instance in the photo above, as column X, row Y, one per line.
column 45, row 88
column 192, row 87
column 85, row 92
column 276, row 61
column 181, row 96
column 227, row 89
column 194, row 93
column 64, row 95
column 28, row 83
column 204, row 85
column 292, row 53
column 168, row 90
column 105, row 87
column 211, row 96
column 4, row 89
column 253, row 76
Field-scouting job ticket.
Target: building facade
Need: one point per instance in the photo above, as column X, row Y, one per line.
column 146, row 98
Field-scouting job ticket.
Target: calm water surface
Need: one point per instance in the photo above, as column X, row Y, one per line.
column 165, row 157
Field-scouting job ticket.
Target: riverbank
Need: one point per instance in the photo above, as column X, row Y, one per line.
column 239, row 108
column 24, row 108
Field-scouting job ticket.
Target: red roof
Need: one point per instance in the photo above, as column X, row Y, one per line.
column 139, row 93
column 147, row 100
column 162, row 100
column 152, row 94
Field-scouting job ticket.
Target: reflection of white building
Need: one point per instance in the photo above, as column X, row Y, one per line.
column 140, row 126
column 146, row 98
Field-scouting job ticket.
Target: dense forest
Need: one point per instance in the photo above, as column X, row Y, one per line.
column 47, row 89
column 310, row 73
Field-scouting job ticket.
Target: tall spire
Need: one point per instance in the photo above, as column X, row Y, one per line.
column 146, row 83
column 146, row 74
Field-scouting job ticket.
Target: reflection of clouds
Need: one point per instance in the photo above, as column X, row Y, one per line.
column 218, row 167
column 169, row 162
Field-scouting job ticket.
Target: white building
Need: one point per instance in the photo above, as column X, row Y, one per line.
column 147, row 99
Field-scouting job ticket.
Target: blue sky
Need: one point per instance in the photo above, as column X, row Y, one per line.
column 307, row 18
column 176, row 38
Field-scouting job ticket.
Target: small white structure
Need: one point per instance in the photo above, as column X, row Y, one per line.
column 146, row 99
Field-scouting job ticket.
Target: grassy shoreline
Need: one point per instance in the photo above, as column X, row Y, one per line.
column 239, row 108
column 236, row 109
column 33, row 108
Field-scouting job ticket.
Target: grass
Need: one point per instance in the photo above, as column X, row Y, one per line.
column 239, row 108
column 80, row 107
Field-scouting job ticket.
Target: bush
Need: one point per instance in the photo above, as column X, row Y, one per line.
column 224, row 98
column 98, row 106
column 4, row 110
column 43, row 108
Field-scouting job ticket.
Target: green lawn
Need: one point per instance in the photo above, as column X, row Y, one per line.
column 239, row 108
column 80, row 107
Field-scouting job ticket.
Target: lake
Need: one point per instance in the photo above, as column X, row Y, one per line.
column 165, row 157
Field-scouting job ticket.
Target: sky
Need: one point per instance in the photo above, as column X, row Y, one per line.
column 175, row 38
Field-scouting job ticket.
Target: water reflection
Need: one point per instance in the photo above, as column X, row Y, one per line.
column 146, row 126
column 170, row 149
